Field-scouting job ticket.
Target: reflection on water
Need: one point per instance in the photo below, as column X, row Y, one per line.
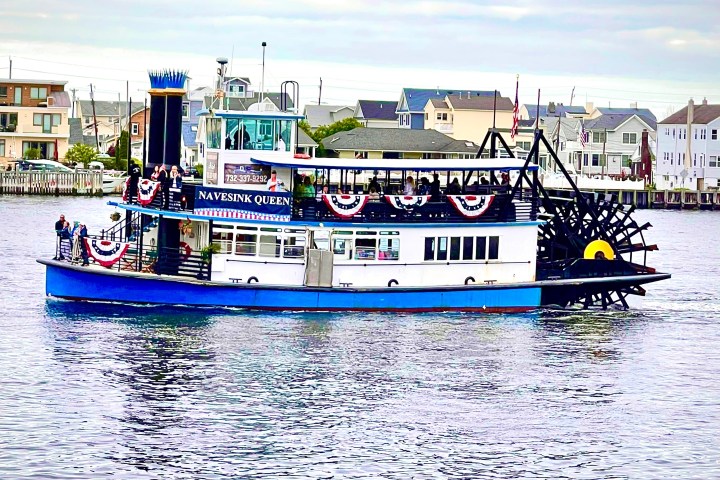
column 93, row 390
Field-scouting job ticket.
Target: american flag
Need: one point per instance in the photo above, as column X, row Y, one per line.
column 583, row 134
column 516, row 108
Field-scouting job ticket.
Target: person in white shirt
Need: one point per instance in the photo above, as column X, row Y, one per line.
column 280, row 145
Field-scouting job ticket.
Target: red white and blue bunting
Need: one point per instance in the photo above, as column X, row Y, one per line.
column 147, row 189
column 241, row 214
column 105, row 252
column 471, row 206
column 407, row 202
column 125, row 189
column 345, row 206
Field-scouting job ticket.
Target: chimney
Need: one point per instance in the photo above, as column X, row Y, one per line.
column 704, row 102
column 589, row 107
column 644, row 170
column 633, row 105
column 551, row 107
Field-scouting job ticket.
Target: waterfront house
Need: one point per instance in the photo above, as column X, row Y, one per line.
column 393, row 143
column 688, row 148
column 528, row 111
column 376, row 113
column 411, row 106
column 613, row 140
column 33, row 114
column 110, row 117
column 464, row 116
column 319, row 115
column 644, row 113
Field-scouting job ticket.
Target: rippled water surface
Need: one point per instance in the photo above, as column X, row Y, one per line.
column 109, row 391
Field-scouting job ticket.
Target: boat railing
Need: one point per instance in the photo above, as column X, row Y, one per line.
column 503, row 209
column 173, row 261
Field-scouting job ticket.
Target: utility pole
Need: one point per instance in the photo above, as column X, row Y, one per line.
column 262, row 82
column 10, row 74
column 320, row 91
column 572, row 95
column 92, row 102
column 73, row 102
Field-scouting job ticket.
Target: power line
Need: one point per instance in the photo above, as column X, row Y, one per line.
column 79, row 76
column 79, row 65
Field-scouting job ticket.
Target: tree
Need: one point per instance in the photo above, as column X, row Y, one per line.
column 32, row 154
column 121, row 151
column 81, row 153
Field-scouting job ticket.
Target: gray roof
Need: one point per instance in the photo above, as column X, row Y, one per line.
column 304, row 139
column 612, row 121
column 76, row 133
column 479, row 103
column 702, row 115
column 32, row 81
column 397, row 140
column 108, row 109
column 317, row 115
column 569, row 126
column 242, row 104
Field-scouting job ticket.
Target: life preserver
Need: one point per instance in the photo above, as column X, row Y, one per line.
column 392, row 282
column 187, row 251
column 251, row 279
column 469, row 279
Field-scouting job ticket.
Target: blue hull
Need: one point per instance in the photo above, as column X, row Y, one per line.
column 73, row 282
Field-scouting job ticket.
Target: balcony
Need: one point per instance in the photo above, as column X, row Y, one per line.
column 444, row 127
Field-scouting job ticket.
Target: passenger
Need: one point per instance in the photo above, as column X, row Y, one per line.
column 435, row 188
column 308, row 190
column 65, row 235
column 280, row 144
column 374, row 184
column 409, row 186
column 424, row 187
column 82, row 235
column 155, row 173
column 58, row 242
column 374, row 195
column 484, row 180
column 454, row 188
column 175, row 177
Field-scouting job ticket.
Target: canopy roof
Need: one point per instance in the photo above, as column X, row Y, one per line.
column 438, row 164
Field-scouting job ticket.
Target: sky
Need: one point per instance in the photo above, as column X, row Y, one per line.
column 657, row 53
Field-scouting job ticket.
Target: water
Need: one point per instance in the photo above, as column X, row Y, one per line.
column 93, row 390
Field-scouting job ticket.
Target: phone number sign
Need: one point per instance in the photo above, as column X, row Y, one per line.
column 244, row 174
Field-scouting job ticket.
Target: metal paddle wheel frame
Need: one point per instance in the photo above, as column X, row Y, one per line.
column 570, row 224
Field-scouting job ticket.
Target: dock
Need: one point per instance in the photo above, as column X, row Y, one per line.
column 655, row 199
column 51, row 183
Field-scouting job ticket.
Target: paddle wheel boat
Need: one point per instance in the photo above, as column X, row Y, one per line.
column 271, row 230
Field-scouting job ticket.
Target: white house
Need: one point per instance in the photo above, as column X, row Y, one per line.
column 688, row 148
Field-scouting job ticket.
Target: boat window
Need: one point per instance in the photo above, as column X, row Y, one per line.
column 340, row 245
column 294, row 230
column 245, row 244
column 269, row 246
column 282, row 135
column 232, row 134
column 455, row 248
column 213, row 128
column 250, row 229
column 468, row 248
column 442, row 248
column 269, row 229
column 480, row 248
column 293, row 247
column 493, row 248
column 365, row 248
column 389, row 249
column 222, row 225
column 224, row 239
column 364, row 233
column 429, row 248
